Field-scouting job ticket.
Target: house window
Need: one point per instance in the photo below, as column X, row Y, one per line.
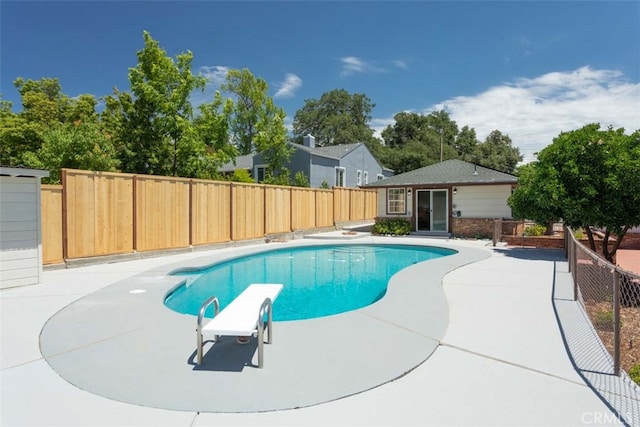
column 366, row 177
column 359, row 177
column 396, row 201
column 261, row 173
column 379, row 177
column 340, row 172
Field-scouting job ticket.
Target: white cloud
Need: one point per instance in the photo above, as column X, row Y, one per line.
column 215, row 74
column 288, row 88
column 534, row 111
column 401, row 63
column 353, row 64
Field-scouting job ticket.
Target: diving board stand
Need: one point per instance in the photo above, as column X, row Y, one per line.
column 243, row 317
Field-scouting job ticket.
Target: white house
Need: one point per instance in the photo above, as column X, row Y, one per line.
column 20, row 227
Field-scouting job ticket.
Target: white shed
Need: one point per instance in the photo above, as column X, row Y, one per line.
column 20, row 227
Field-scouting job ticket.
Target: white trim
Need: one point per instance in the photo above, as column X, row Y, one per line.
column 358, row 177
column 404, row 200
column 343, row 171
column 256, row 168
column 37, row 173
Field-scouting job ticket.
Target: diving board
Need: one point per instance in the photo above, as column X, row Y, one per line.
column 244, row 316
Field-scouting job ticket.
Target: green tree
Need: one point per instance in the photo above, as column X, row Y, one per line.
column 466, row 142
column 155, row 124
column 251, row 95
column 338, row 117
column 17, row 136
column 257, row 124
column 43, row 101
column 498, row 153
column 300, row 180
column 44, row 107
column 445, row 131
column 212, row 126
column 271, row 139
column 537, row 197
column 587, row 177
column 77, row 146
column 407, row 127
column 416, row 140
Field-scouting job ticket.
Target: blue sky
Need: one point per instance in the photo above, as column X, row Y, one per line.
column 529, row 69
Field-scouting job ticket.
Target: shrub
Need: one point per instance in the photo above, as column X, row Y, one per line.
column 324, row 185
column 241, row 175
column 534, row 230
column 634, row 373
column 300, row 180
column 393, row 227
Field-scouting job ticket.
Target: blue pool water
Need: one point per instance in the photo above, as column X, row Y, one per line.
column 318, row 280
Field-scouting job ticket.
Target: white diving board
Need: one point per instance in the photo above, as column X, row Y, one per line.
column 244, row 316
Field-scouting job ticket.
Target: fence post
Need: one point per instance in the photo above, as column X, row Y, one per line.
column 616, row 323
column 573, row 266
column 65, row 230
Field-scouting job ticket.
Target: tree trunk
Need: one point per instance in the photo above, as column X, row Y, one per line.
column 549, row 230
column 592, row 242
column 605, row 245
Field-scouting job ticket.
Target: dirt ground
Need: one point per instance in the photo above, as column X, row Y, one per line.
column 629, row 335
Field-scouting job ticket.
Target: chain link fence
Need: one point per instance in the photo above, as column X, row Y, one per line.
column 611, row 299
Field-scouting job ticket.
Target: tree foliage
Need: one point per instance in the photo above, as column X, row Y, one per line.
column 155, row 123
column 249, row 109
column 338, row 117
column 417, row 140
column 497, row 152
column 78, row 146
column 587, row 177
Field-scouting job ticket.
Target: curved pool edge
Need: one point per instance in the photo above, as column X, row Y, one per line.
column 182, row 300
column 131, row 348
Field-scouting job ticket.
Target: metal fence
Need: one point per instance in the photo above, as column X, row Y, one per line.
column 611, row 299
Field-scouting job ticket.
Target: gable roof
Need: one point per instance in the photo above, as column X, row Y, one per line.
column 448, row 172
column 241, row 162
column 336, row 152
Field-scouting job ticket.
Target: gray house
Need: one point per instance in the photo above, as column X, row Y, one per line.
column 348, row 165
column 451, row 197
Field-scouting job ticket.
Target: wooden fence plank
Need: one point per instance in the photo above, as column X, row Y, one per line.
column 104, row 213
column 210, row 213
column 51, row 206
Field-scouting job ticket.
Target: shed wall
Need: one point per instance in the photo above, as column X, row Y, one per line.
column 20, row 239
column 482, row 201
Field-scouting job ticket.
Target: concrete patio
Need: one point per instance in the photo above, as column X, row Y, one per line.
column 501, row 359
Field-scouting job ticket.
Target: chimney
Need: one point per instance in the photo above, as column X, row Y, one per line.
column 309, row 141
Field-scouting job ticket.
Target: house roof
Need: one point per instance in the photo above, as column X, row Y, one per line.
column 335, row 152
column 331, row 151
column 241, row 162
column 448, row 172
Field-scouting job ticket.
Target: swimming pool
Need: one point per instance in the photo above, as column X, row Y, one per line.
column 318, row 280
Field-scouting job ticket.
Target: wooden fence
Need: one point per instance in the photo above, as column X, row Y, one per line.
column 104, row 213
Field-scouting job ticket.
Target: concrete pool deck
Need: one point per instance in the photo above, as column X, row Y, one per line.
column 501, row 360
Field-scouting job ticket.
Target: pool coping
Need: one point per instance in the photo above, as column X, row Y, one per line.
column 129, row 347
